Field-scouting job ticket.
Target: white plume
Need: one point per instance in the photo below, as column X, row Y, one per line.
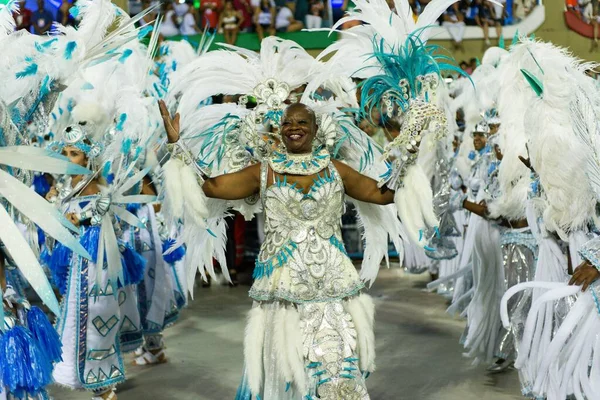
column 253, row 348
column 173, row 190
column 557, row 155
column 280, row 343
column 362, row 311
column 294, row 350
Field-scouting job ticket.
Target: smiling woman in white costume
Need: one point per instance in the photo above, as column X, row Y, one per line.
column 311, row 330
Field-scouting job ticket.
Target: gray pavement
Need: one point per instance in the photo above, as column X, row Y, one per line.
column 419, row 357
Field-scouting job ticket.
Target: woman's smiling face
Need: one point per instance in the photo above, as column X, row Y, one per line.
column 298, row 128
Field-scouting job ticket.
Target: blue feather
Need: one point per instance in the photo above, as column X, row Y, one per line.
column 69, row 49
column 126, row 146
column 163, row 50
column 174, row 256
column 144, row 31
column 122, row 119
column 74, row 11
column 24, row 366
column 106, row 169
column 59, row 263
column 39, row 47
column 408, row 63
column 45, row 334
column 133, row 267
column 125, row 55
column 31, row 69
column 45, row 88
column 49, row 43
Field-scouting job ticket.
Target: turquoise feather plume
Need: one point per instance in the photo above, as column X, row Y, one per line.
column 412, row 61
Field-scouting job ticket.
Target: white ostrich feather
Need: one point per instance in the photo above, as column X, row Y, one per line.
column 414, row 203
column 178, row 54
column 395, row 26
column 557, row 154
column 379, row 224
column 280, row 343
column 362, row 311
column 173, row 200
column 253, row 348
column 294, row 349
column 513, row 176
column 96, row 16
column 587, row 129
column 493, row 56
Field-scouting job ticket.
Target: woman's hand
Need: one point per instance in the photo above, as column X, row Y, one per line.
column 584, row 274
column 73, row 218
column 52, row 194
column 171, row 124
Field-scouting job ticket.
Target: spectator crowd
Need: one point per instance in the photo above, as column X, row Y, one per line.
column 39, row 19
column 270, row 17
column 482, row 13
column 231, row 17
column 587, row 10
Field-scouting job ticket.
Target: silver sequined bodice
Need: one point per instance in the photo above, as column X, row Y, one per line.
column 303, row 258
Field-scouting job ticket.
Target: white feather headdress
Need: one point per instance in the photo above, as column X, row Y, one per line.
column 351, row 56
column 237, row 71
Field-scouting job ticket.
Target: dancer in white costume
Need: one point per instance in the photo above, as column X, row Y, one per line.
column 558, row 354
column 91, row 322
column 307, row 290
column 310, row 332
column 519, row 250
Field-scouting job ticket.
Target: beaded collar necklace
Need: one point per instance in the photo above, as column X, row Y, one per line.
column 300, row 164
